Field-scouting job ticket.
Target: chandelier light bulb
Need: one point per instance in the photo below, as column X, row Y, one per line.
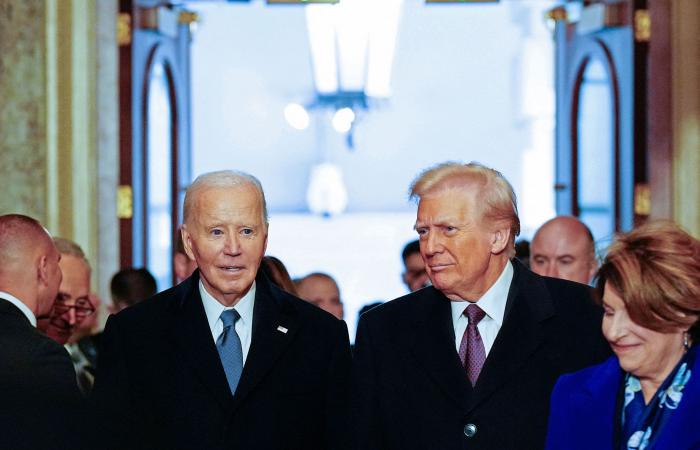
column 343, row 119
column 296, row 116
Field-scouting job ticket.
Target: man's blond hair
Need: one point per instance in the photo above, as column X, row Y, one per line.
column 497, row 202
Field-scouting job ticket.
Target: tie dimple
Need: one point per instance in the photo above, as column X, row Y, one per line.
column 474, row 313
column 229, row 318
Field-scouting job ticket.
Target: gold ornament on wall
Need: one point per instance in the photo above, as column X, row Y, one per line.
column 125, row 202
column 124, row 29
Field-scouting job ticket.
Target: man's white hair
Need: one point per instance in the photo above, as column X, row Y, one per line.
column 222, row 179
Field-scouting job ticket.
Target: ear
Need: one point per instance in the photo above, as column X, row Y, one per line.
column 500, row 237
column 43, row 271
column 187, row 242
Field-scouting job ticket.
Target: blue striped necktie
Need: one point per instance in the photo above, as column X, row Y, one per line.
column 229, row 346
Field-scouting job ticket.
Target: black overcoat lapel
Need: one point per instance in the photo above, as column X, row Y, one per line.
column 191, row 333
column 527, row 306
column 432, row 343
column 275, row 323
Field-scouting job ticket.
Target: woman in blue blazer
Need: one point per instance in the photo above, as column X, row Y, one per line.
column 647, row 396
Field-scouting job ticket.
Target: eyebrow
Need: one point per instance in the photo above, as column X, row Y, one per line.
column 442, row 220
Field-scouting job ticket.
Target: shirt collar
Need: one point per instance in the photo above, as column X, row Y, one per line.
column 22, row 307
column 213, row 309
column 493, row 302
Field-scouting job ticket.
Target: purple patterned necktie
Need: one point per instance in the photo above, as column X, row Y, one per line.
column 471, row 349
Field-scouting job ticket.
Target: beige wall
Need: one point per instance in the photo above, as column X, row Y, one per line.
column 58, row 121
column 23, row 98
column 686, row 113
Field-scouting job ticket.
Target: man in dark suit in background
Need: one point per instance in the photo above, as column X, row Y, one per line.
column 225, row 360
column 38, row 392
column 130, row 286
column 414, row 275
column 127, row 287
column 470, row 362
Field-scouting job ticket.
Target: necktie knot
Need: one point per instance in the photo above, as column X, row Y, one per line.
column 471, row 350
column 474, row 314
column 230, row 317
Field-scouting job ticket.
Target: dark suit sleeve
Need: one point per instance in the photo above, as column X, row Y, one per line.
column 111, row 397
column 338, row 391
column 364, row 389
column 55, row 405
column 44, row 399
column 57, row 373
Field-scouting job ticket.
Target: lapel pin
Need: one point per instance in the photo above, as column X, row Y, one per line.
column 282, row 329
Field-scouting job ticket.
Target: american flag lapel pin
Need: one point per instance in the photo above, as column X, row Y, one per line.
column 282, row 329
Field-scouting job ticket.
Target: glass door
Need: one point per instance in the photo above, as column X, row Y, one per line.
column 601, row 121
column 154, row 90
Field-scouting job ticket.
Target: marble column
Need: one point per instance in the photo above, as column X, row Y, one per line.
column 686, row 113
column 23, row 99
column 59, row 119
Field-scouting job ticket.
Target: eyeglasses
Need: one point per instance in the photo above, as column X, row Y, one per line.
column 82, row 306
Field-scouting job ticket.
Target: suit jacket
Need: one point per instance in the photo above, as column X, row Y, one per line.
column 161, row 385
column 39, row 397
column 584, row 413
column 411, row 390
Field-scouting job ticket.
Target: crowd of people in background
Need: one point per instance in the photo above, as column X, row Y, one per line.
column 497, row 345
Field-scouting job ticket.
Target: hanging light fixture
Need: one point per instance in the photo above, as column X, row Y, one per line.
column 352, row 49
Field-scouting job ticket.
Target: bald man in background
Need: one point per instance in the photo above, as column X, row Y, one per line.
column 563, row 247
column 38, row 392
column 321, row 290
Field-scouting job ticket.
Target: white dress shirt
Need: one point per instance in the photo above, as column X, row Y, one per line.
column 244, row 325
column 22, row 307
column 493, row 302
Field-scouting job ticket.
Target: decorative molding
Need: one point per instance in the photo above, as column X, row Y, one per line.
column 558, row 14
column 642, row 199
column 188, row 17
column 642, row 25
column 125, row 202
column 123, row 29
